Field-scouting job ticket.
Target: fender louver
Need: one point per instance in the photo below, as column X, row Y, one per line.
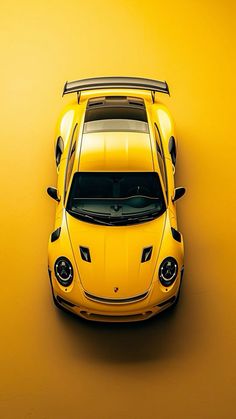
column 85, row 254
column 176, row 234
column 146, row 255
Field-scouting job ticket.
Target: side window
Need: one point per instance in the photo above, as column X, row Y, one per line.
column 71, row 158
column 160, row 157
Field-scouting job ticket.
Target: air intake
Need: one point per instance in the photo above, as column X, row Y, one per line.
column 97, row 101
column 147, row 253
column 115, row 107
column 85, row 254
column 56, row 234
column 116, row 300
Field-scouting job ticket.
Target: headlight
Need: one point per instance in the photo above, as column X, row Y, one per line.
column 168, row 271
column 63, row 271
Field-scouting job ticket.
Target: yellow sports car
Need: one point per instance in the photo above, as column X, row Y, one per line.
column 115, row 254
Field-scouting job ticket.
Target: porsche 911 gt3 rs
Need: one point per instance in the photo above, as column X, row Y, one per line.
column 115, row 253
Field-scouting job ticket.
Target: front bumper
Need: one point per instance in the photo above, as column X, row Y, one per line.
column 113, row 316
column 154, row 303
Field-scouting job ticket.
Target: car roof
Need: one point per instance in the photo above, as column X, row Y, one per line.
column 116, row 151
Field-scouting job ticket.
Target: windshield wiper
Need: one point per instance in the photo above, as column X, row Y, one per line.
column 89, row 217
column 147, row 218
column 134, row 219
column 123, row 219
column 116, row 220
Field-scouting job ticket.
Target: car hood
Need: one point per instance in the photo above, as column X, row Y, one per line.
column 116, row 270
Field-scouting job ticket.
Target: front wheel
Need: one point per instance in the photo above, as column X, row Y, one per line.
column 179, row 290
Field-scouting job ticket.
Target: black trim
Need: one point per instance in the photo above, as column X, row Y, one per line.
column 116, row 83
column 56, row 234
column 176, row 234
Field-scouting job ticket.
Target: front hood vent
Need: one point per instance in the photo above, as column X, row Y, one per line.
column 146, row 255
column 85, row 254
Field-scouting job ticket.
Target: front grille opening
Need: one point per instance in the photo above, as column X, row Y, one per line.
column 116, row 300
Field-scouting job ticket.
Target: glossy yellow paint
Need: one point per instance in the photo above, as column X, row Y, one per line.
column 115, row 250
column 116, row 152
column 177, row 366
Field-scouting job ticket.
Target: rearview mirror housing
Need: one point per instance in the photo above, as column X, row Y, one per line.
column 179, row 192
column 52, row 192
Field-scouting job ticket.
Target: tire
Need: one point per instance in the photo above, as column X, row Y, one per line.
column 179, row 290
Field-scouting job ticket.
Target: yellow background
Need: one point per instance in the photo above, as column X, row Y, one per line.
column 181, row 364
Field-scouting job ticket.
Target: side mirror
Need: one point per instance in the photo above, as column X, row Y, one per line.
column 179, row 192
column 52, row 192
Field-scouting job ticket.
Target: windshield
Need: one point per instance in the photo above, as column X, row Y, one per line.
column 116, row 198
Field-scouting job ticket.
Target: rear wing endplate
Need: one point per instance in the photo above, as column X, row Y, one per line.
column 79, row 86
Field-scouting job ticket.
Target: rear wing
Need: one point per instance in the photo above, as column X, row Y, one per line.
column 79, row 86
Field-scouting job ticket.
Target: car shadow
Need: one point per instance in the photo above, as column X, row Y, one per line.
column 160, row 337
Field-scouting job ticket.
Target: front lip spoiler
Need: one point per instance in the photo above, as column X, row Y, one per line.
column 117, row 319
column 119, row 301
